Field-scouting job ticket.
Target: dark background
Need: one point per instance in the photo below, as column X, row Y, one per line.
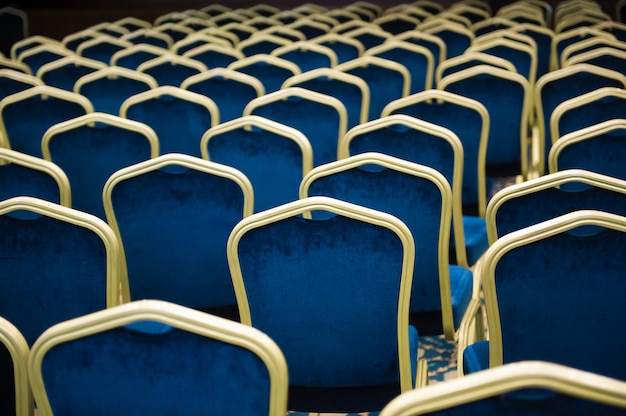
column 58, row 18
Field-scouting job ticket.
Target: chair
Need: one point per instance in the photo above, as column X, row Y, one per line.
column 214, row 55
column 109, row 87
column 456, row 36
column 179, row 117
column 504, row 391
column 172, row 215
column 587, row 109
column 557, row 280
column 346, row 48
column 22, row 132
column 261, row 44
column 571, row 53
column 468, row 60
column 492, row 24
column 397, row 23
column 25, row 175
column 351, row 90
column 361, row 294
column 7, row 63
column 321, row 118
column 274, row 157
column 543, row 37
column 387, row 80
column 561, row 40
column 421, row 198
column 230, row 90
column 63, row 73
column 507, row 97
column 37, row 56
column 170, row 69
column 531, row 202
column 63, row 263
column 175, row 31
column 90, row 148
column 73, row 40
column 370, row 35
column 31, row 42
column 272, row 71
column 12, row 81
column 469, row 120
column 433, row 43
column 149, row 36
column 307, row 55
column 15, row 395
column 431, row 145
column 561, row 85
column 134, row 56
column 599, row 148
column 14, row 28
column 310, row 28
column 102, row 48
column 417, row 59
column 133, row 353
column 610, row 58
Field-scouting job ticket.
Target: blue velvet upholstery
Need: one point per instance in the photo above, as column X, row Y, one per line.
column 419, row 64
column 174, row 223
column 133, row 60
column 10, row 85
column 417, row 201
column 543, row 40
column 345, row 51
column 558, row 90
column 171, row 73
column 102, row 51
column 17, row 179
column 261, row 46
column 25, row 131
column 308, row 282
column 307, row 59
column 53, row 271
column 272, row 76
column 319, row 122
column 40, row 58
column 456, row 42
column 214, row 58
column 560, row 299
column 431, row 44
column 66, row 76
column 108, row 93
column 273, row 163
column 89, row 154
column 603, row 108
column 178, row 122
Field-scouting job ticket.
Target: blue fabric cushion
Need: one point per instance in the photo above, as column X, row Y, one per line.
column 476, row 357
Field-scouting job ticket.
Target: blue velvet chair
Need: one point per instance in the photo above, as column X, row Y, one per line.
column 149, row 36
column 547, row 287
column 173, row 215
column 515, row 47
column 8, row 63
column 90, row 148
column 135, row 55
column 421, row 197
column 543, row 37
column 37, row 56
column 230, row 90
column 62, row 263
column 434, row 44
column 179, row 117
column 157, row 357
column 261, row 44
column 504, row 391
column 351, row 90
column 307, row 55
column 63, row 73
column 425, row 143
column 15, row 393
column 387, row 80
column 272, row 71
column 456, row 36
column 12, row 81
column 273, row 156
column 508, row 99
column 323, row 119
column 558, row 86
column 531, row 202
column 214, row 55
column 345, row 48
column 170, row 69
column 25, row 175
column 345, row 278
column 102, row 48
column 599, row 148
column 468, row 60
column 29, row 42
column 109, row 87
column 22, row 132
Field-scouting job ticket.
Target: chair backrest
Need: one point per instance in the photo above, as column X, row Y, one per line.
column 506, row 44
column 30, row 42
column 323, row 119
column 8, row 63
column 468, row 60
column 135, row 55
column 564, row 84
column 434, row 44
column 42, row 54
column 543, row 37
column 387, row 80
column 469, row 120
column 417, row 195
column 307, row 55
column 179, row 117
column 15, row 395
column 109, row 87
column 587, row 109
column 351, row 90
column 12, row 81
column 346, row 48
column 25, row 175
column 63, row 73
column 261, row 43
column 599, row 148
column 273, row 156
column 149, row 36
column 562, row 40
column 507, row 97
column 170, row 69
column 497, row 392
column 158, row 357
column 90, row 148
column 456, row 36
column 214, row 55
column 571, row 52
column 357, row 264
column 531, row 202
column 173, row 215
column 272, row 71
column 102, row 48
column 230, row 90
column 20, row 131
column 63, row 263
column 547, row 285
column 610, row 58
